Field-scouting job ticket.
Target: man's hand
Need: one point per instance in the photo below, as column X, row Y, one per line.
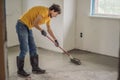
column 56, row 43
column 43, row 32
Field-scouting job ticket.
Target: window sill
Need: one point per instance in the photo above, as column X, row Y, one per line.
column 103, row 16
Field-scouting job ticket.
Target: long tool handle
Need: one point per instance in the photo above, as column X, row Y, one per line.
column 61, row 48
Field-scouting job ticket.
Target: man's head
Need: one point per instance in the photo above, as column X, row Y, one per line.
column 54, row 10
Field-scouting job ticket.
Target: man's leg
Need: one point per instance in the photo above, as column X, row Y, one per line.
column 34, row 59
column 31, row 43
column 22, row 32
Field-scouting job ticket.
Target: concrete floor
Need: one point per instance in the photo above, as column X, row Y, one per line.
column 59, row 67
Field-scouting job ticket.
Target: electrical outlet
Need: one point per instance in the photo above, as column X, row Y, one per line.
column 81, row 35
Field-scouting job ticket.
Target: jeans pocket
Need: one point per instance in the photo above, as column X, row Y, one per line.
column 20, row 27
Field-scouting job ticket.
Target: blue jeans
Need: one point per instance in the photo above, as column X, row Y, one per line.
column 26, row 40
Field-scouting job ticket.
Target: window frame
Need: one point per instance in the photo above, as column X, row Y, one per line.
column 93, row 14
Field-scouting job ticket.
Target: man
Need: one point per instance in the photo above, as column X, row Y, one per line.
column 34, row 17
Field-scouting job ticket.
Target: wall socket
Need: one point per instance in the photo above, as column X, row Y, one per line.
column 81, row 34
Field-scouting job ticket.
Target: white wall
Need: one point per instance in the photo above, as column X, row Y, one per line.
column 100, row 35
column 56, row 24
column 13, row 11
column 69, row 24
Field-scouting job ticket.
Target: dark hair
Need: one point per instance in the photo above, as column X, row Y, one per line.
column 56, row 8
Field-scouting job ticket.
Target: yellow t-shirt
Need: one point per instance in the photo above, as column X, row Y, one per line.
column 29, row 17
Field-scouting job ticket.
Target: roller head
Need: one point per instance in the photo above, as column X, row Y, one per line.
column 75, row 61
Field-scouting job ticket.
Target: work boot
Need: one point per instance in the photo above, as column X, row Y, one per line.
column 35, row 65
column 20, row 65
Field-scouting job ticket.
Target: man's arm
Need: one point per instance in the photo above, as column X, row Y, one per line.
column 36, row 24
column 52, row 35
column 51, row 32
column 36, row 21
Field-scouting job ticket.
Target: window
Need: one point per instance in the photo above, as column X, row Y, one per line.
column 105, row 8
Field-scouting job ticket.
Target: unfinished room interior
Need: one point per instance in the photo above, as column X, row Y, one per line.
column 86, row 30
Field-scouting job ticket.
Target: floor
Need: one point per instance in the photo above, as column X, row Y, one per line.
column 59, row 67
